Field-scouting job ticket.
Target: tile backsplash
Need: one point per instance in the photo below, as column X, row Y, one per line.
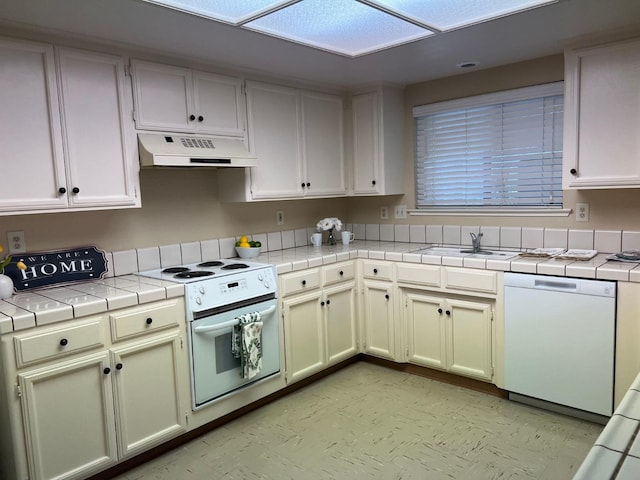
column 513, row 238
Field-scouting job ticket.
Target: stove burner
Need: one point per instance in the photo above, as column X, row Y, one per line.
column 193, row 274
column 175, row 270
column 212, row 263
column 235, row 266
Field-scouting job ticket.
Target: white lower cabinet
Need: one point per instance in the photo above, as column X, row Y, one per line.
column 378, row 319
column 320, row 324
column 449, row 334
column 80, row 400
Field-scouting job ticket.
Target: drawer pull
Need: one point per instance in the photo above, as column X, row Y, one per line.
column 328, row 302
column 386, row 296
column 64, row 342
column 119, row 366
column 106, row 370
column 149, row 321
column 440, row 311
column 322, row 304
column 341, row 273
column 448, row 312
column 375, row 271
column 304, row 282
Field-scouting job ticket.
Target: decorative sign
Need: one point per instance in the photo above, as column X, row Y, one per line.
column 45, row 269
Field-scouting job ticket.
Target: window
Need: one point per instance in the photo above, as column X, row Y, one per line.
column 499, row 150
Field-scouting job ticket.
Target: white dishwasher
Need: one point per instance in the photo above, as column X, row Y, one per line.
column 559, row 340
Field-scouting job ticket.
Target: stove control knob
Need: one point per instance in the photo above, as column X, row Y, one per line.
column 198, row 301
column 266, row 284
column 259, row 277
column 201, row 290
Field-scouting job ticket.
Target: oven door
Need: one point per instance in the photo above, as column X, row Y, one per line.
column 214, row 370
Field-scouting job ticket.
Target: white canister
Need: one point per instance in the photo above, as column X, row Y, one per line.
column 347, row 237
column 6, row 286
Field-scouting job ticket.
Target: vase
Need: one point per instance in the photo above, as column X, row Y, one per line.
column 6, row 286
column 331, row 239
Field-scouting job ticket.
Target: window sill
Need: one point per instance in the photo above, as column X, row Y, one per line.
column 491, row 212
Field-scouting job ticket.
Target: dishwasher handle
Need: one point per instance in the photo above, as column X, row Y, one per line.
column 569, row 286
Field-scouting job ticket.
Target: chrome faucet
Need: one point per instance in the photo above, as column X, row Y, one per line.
column 475, row 242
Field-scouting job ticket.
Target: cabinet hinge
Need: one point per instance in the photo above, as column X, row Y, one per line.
column 491, row 315
column 492, row 371
column 186, row 417
column 133, row 115
column 181, row 343
column 127, row 70
column 18, row 391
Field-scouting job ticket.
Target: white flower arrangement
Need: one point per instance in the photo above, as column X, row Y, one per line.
column 329, row 223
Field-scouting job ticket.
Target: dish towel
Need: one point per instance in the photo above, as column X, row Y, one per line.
column 247, row 344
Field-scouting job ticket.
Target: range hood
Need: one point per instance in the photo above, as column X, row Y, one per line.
column 183, row 150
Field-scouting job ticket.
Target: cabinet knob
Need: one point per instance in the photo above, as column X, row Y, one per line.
column 62, row 190
column 119, row 366
column 328, row 302
column 573, row 171
column 75, row 190
column 373, row 182
column 386, row 296
column 375, row 271
column 63, row 342
column 440, row 311
column 308, row 184
column 192, row 117
column 322, row 304
column 200, row 118
column 304, row 282
column 106, row 370
column 341, row 273
column 448, row 312
column 302, row 184
column 149, row 321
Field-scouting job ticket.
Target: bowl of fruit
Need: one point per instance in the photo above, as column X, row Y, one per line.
column 248, row 248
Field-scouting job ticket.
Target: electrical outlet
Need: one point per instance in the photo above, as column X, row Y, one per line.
column 279, row 217
column 384, row 213
column 582, row 212
column 400, row 211
column 16, row 242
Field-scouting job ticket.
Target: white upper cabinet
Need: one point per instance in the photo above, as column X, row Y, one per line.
column 602, row 116
column 65, row 134
column 377, row 123
column 101, row 160
column 178, row 99
column 297, row 137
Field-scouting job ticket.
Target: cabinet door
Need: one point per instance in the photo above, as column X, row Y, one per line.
column 148, row 393
column 602, row 117
column 33, row 159
column 218, row 104
column 273, row 117
column 100, row 162
column 340, row 317
column 469, row 338
column 322, row 144
column 379, row 338
column 304, row 333
column 426, row 330
column 69, row 417
column 163, row 97
column 366, row 146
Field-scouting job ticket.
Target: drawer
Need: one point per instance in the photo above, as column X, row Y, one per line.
column 135, row 321
column 428, row 275
column 378, row 270
column 338, row 273
column 53, row 343
column 301, row 281
column 472, row 280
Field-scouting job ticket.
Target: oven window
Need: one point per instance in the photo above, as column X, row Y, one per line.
column 225, row 360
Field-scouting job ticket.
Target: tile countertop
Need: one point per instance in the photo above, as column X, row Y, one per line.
column 50, row 305
column 616, row 452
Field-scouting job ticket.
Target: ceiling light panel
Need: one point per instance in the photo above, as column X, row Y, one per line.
column 450, row 14
column 228, row 11
column 342, row 26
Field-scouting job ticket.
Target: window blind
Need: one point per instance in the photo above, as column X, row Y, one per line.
column 489, row 152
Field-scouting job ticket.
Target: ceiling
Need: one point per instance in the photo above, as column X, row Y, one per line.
column 530, row 34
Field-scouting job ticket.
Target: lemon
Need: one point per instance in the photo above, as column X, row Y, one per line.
column 244, row 244
column 244, row 239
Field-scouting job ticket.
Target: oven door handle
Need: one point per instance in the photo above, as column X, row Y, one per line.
column 230, row 323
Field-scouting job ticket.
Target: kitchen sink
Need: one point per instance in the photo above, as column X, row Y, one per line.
column 466, row 252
